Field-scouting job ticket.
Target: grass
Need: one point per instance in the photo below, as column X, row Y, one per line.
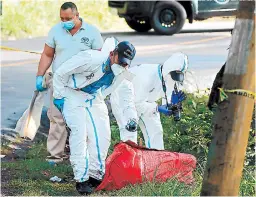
column 22, row 19
column 30, row 177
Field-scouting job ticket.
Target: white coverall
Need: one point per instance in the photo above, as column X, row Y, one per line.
column 86, row 114
column 147, row 85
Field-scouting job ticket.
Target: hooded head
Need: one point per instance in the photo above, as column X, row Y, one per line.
column 174, row 68
column 177, row 62
column 109, row 45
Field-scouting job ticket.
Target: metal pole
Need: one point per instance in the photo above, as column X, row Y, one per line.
column 233, row 117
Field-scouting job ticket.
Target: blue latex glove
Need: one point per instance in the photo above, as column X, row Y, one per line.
column 39, row 83
column 59, row 103
column 177, row 97
column 131, row 125
column 164, row 110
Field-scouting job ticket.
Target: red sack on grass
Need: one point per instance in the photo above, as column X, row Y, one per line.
column 131, row 164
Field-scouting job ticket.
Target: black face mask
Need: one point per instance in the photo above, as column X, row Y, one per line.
column 177, row 75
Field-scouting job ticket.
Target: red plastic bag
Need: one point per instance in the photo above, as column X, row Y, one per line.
column 131, row 164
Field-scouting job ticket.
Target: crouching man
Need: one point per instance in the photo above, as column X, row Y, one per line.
column 80, row 86
column 139, row 97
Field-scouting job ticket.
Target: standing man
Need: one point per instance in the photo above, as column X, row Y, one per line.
column 65, row 39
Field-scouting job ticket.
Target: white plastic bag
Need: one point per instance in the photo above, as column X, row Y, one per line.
column 29, row 122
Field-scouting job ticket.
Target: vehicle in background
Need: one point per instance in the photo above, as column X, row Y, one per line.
column 168, row 17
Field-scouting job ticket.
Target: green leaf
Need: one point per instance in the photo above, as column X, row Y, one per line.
column 194, row 104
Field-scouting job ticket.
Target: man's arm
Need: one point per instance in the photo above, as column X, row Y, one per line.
column 46, row 60
column 124, row 97
column 97, row 41
column 128, row 101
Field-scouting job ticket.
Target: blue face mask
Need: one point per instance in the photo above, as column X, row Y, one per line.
column 68, row 25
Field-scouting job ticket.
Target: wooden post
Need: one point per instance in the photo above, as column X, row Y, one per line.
column 233, row 117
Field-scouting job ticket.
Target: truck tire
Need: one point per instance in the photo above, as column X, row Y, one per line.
column 168, row 17
column 137, row 26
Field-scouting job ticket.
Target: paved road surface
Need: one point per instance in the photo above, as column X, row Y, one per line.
column 206, row 51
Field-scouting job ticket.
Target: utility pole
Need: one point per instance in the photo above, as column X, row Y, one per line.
column 233, row 117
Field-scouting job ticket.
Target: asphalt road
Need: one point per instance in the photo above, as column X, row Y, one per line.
column 206, row 52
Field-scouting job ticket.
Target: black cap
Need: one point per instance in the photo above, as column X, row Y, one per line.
column 126, row 52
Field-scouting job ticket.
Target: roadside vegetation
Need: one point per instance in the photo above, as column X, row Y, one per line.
column 25, row 19
column 30, row 177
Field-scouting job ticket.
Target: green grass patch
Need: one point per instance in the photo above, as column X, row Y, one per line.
column 30, row 177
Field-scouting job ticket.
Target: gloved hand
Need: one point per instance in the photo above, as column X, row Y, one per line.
column 177, row 97
column 39, row 83
column 59, row 103
column 131, row 125
column 164, row 110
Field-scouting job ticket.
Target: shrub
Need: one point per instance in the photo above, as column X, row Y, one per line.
column 22, row 19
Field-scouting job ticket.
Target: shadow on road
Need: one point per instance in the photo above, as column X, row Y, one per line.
column 152, row 33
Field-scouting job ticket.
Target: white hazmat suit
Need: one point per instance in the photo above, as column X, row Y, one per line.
column 85, row 111
column 147, row 88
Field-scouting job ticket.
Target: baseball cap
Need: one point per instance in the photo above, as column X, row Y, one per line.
column 126, row 52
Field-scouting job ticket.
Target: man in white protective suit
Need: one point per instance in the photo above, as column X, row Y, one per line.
column 151, row 83
column 80, row 86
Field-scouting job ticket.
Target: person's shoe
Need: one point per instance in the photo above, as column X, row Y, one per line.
column 53, row 159
column 94, row 182
column 84, row 188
